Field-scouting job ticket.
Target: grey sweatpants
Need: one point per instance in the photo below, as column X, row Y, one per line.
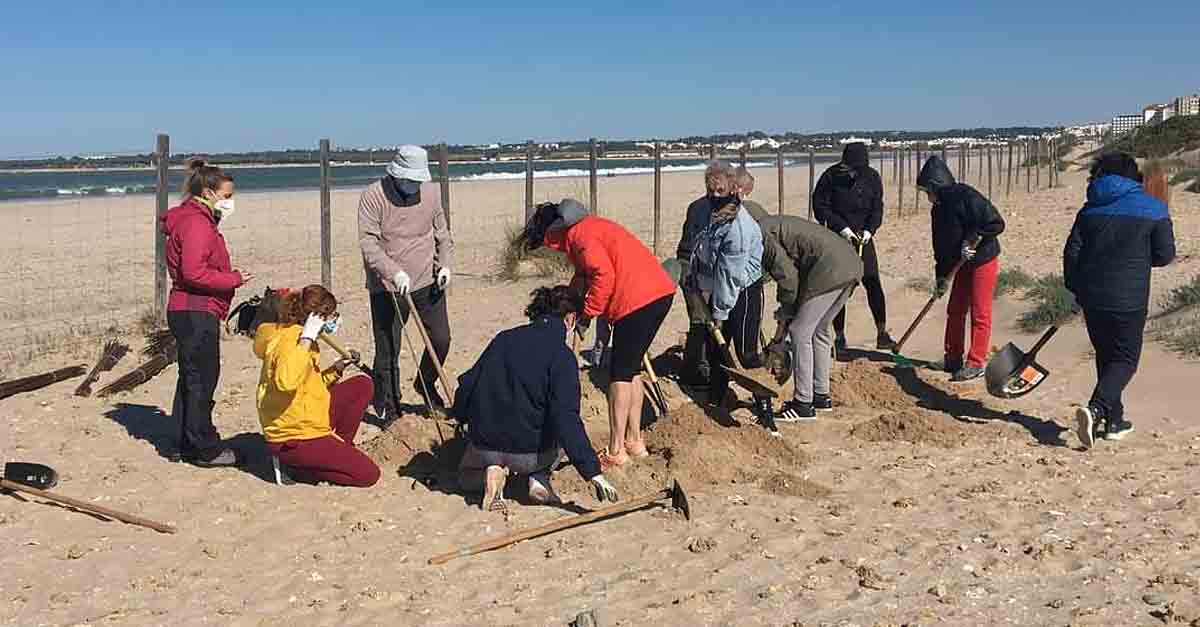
column 475, row 461
column 812, row 343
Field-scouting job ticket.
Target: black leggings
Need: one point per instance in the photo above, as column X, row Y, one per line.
column 874, row 289
column 198, row 336
column 632, row 336
column 1117, row 339
column 743, row 330
column 431, row 305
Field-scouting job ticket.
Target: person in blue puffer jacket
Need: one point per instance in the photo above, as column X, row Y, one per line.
column 1119, row 235
column 727, row 269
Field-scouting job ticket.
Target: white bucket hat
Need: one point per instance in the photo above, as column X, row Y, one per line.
column 410, row 162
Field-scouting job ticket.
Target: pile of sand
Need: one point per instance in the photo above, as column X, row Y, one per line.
column 918, row 426
column 864, row 385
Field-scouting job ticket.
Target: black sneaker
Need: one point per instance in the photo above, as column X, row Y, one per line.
column 822, row 402
column 966, row 373
column 1085, row 426
column 766, row 416
column 221, row 458
column 795, row 411
column 884, row 341
column 1118, row 429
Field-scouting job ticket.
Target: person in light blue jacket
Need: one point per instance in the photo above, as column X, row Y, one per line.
column 727, row 269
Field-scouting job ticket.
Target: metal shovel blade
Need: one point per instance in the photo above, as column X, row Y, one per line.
column 39, row 476
column 1010, row 375
column 747, row 382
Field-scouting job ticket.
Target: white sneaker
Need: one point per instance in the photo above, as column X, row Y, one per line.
column 1084, row 423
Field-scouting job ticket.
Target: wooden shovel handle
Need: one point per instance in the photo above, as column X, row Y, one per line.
column 929, row 305
column 87, row 507
column 447, row 386
column 558, row 525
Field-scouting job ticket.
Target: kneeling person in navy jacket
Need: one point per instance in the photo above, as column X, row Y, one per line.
column 521, row 401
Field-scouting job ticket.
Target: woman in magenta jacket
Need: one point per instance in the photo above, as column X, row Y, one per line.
column 202, row 284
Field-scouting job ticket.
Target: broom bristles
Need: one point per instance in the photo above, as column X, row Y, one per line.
column 138, row 376
column 112, row 353
column 37, row 382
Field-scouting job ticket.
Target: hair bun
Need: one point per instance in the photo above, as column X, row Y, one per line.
column 195, row 163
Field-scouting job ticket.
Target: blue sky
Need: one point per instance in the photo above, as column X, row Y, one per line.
column 91, row 76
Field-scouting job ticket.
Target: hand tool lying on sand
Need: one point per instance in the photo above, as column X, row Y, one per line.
column 111, row 353
column 29, row 478
column 1011, row 373
column 350, row 355
column 37, row 382
column 443, row 378
column 657, row 397
column 675, row 492
column 899, row 360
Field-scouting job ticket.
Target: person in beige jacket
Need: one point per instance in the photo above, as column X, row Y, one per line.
column 407, row 249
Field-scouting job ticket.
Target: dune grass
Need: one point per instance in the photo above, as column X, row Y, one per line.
column 1013, row 280
column 1054, row 304
column 516, row 262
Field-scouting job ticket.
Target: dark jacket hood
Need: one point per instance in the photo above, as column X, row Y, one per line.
column 935, row 175
column 1107, row 189
column 855, row 155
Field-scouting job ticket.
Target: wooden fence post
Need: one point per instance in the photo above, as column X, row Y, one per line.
column 916, row 168
column 812, row 175
column 712, row 149
column 742, row 151
column 900, row 195
column 1028, row 157
column 895, row 166
column 528, row 180
column 326, row 219
column 1037, row 161
column 593, row 187
column 1008, row 176
column 989, row 167
column 162, row 163
column 657, row 193
column 779, row 171
column 444, row 172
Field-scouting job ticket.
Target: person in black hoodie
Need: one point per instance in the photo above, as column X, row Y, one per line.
column 848, row 199
column 966, row 227
column 521, row 404
column 1119, row 235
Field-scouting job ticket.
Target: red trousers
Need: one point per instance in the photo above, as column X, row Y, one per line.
column 973, row 290
column 331, row 459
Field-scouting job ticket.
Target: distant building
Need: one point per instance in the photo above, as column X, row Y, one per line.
column 1122, row 124
column 860, row 140
column 1187, row 105
column 1156, row 113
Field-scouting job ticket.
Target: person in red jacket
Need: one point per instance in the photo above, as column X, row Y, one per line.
column 622, row 281
column 202, row 285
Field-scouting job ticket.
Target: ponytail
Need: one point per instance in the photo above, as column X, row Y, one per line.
column 201, row 176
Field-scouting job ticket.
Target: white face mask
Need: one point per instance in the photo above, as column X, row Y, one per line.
column 224, row 208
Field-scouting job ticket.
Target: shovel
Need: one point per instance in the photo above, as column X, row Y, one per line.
column 35, row 479
column 900, row 360
column 657, row 397
column 1012, row 373
column 443, row 378
column 737, row 374
column 675, row 492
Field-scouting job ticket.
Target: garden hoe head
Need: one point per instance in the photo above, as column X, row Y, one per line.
column 679, row 499
column 1012, row 373
column 39, row 476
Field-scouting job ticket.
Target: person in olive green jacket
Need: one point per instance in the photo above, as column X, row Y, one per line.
column 815, row 270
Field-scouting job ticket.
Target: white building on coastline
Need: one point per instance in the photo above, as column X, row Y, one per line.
column 1122, row 124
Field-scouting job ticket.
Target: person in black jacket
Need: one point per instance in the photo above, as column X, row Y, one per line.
column 1118, row 236
column 848, row 199
column 521, row 403
column 720, row 181
column 966, row 227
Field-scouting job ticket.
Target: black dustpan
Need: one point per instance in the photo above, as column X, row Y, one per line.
column 1012, row 373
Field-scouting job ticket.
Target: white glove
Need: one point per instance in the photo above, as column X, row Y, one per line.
column 849, row 235
column 968, row 252
column 866, row 237
column 443, row 278
column 312, row 327
column 604, row 490
column 401, row 282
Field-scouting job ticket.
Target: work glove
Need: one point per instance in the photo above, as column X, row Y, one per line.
column 777, row 360
column 581, row 326
column 968, row 251
column 604, row 490
column 443, row 278
column 849, row 235
column 866, row 237
column 312, row 327
column 940, row 286
column 402, row 282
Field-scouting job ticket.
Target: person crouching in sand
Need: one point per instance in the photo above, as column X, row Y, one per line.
column 622, row 281
column 521, row 400
column 310, row 416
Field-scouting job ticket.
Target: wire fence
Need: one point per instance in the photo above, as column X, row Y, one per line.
column 80, row 266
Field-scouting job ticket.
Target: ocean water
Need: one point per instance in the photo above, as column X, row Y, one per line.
column 48, row 185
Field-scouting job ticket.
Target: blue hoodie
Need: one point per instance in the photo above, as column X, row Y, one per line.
column 727, row 260
column 1119, row 235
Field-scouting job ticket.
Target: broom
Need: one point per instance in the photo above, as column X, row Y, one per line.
column 162, row 350
column 37, row 382
column 111, row 354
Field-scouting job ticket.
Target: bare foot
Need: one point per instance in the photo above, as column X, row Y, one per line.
column 493, row 489
column 609, row 460
column 636, row 448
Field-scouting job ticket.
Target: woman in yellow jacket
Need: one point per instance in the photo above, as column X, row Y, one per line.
column 310, row 416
